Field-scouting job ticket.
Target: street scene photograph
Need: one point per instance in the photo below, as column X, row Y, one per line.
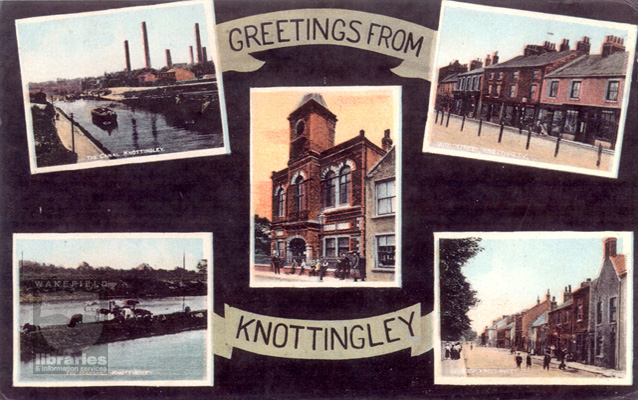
column 539, row 308
column 325, row 186
column 530, row 89
column 112, row 309
column 121, row 86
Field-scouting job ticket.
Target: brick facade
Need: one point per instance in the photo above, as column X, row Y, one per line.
column 318, row 201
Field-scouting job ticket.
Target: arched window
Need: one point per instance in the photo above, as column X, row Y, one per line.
column 344, row 186
column 330, row 189
column 279, row 202
column 298, row 193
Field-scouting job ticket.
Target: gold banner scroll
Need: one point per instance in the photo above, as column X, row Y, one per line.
column 412, row 43
column 325, row 340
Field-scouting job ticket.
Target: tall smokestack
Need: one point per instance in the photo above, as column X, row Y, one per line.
column 147, row 52
column 198, row 44
column 190, row 49
column 127, row 56
column 204, row 58
column 169, row 61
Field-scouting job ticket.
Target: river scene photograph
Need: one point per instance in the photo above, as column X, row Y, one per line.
column 112, row 309
column 121, row 86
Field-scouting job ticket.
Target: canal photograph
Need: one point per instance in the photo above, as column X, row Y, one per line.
column 122, row 86
column 112, row 309
column 534, row 308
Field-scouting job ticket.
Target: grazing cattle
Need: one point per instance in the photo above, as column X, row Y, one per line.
column 28, row 328
column 74, row 320
column 102, row 311
column 126, row 312
column 142, row 314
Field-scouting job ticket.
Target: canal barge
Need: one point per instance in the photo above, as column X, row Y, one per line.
column 73, row 337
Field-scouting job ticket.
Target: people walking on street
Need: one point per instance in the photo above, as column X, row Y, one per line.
column 345, row 267
column 519, row 360
column 293, row 267
column 323, row 270
column 276, row 264
column 302, row 267
column 447, row 351
column 314, row 271
column 358, row 268
column 546, row 360
column 561, row 358
column 528, row 361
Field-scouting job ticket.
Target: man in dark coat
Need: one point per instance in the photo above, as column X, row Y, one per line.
column 276, row 264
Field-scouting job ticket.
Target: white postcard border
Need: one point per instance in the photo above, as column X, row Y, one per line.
column 207, row 249
column 439, row 379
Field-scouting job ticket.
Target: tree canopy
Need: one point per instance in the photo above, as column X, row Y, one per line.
column 456, row 294
column 262, row 235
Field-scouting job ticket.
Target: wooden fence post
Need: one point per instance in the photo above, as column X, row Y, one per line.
column 557, row 145
column 480, row 126
column 500, row 135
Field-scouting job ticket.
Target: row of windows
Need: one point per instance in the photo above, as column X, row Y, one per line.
column 611, row 92
column 385, row 196
column 613, row 308
column 495, row 91
column 469, row 83
column 336, row 246
column 515, row 74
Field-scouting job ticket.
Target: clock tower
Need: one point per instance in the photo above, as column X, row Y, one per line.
column 312, row 127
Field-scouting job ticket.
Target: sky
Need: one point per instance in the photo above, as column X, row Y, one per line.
column 511, row 272
column 115, row 252
column 373, row 109
column 467, row 33
column 89, row 44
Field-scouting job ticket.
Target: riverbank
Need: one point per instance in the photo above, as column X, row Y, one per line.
column 61, row 339
column 77, row 139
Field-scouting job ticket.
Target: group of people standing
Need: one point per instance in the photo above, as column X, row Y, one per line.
column 453, row 352
column 547, row 358
column 320, row 267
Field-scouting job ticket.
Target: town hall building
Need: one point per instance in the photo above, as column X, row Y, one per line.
column 319, row 200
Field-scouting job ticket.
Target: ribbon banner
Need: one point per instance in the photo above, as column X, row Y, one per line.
column 412, row 43
column 325, row 340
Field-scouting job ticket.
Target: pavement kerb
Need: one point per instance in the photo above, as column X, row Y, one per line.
column 536, row 135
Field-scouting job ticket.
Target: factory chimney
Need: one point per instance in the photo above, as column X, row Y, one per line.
column 204, row 58
column 169, row 61
column 127, row 56
column 147, row 52
column 190, row 49
column 198, row 44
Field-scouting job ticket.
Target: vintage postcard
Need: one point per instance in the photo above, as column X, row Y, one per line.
column 122, row 86
column 530, row 89
column 119, row 309
column 326, row 186
column 533, row 308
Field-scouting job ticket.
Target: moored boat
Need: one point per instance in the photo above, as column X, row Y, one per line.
column 103, row 115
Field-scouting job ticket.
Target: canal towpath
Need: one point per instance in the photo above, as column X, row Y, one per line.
column 76, row 139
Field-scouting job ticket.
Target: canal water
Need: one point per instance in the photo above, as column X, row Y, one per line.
column 59, row 312
column 177, row 357
column 140, row 129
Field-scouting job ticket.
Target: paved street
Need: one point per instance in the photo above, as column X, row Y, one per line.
column 513, row 144
column 492, row 362
column 268, row 276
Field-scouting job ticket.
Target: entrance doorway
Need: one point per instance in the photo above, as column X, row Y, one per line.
column 297, row 250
